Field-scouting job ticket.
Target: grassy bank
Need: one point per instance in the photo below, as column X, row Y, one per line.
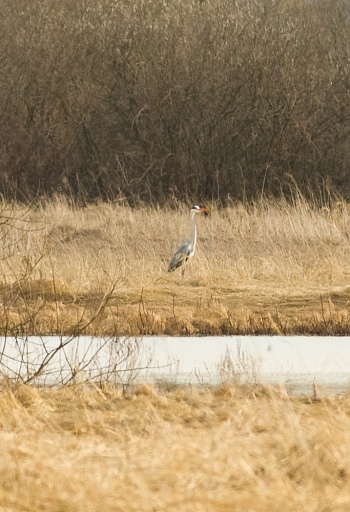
column 270, row 267
column 80, row 448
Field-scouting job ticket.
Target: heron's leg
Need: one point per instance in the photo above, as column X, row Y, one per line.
column 184, row 268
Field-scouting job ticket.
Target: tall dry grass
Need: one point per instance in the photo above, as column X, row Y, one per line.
column 80, row 448
column 270, row 266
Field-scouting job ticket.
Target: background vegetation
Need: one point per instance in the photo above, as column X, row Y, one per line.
column 153, row 99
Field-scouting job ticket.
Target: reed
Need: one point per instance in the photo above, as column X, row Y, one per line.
column 84, row 448
column 270, row 266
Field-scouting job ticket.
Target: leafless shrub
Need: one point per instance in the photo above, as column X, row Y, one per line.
column 149, row 100
column 65, row 360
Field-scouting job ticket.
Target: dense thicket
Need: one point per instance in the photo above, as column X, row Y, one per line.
column 155, row 98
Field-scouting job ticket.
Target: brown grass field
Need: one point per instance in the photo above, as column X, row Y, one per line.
column 270, row 267
column 228, row 449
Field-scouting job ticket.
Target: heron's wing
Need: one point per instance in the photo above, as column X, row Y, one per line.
column 181, row 254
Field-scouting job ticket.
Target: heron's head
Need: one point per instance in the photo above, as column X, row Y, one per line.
column 199, row 209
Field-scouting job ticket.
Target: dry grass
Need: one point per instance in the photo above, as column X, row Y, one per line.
column 102, row 269
column 86, row 449
column 270, row 267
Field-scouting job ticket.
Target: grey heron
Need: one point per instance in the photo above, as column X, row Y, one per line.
column 186, row 250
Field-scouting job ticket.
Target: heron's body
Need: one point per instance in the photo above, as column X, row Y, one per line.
column 182, row 254
column 186, row 250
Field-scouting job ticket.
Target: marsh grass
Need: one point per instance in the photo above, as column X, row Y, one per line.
column 268, row 267
column 87, row 448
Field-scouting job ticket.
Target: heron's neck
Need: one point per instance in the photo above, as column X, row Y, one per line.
column 193, row 230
